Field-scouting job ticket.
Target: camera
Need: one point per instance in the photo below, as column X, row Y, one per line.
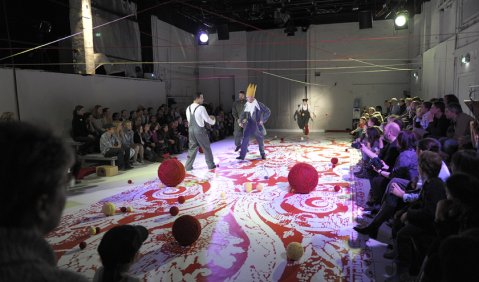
column 376, row 163
column 356, row 145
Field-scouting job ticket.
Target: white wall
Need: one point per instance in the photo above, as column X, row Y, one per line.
column 444, row 33
column 49, row 98
column 380, row 72
column 224, row 71
column 7, row 91
column 175, row 60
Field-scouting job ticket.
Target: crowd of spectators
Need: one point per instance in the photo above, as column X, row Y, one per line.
column 141, row 134
column 421, row 160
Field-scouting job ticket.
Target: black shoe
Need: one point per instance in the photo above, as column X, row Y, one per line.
column 263, row 157
column 189, row 169
column 239, row 158
column 237, row 148
column 128, row 167
column 213, row 167
column 391, row 254
column 372, row 232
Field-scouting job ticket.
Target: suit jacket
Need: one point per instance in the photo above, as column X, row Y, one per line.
column 260, row 115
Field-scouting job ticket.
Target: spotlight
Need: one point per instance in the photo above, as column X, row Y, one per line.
column 202, row 37
column 401, row 19
column 416, row 75
column 465, row 59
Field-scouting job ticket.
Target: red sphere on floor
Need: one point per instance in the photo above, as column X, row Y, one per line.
column 171, row 172
column 98, row 230
column 303, row 178
column 82, row 245
column 129, row 181
column 123, row 209
column 174, row 211
column 337, row 188
column 186, row 230
column 181, row 199
column 334, row 161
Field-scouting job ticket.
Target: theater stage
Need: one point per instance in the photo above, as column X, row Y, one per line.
column 244, row 235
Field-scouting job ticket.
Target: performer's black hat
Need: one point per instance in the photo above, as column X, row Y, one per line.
column 305, row 100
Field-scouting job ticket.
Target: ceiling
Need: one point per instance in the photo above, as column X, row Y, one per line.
column 247, row 15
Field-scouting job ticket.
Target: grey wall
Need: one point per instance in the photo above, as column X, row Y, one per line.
column 49, row 98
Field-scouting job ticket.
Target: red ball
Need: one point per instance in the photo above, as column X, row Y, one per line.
column 171, row 172
column 82, row 245
column 181, row 199
column 98, row 230
column 337, row 188
column 201, row 150
column 123, row 209
column 174, row 211
column 346, row 150
column 334, row 161
column 186, row 230
column 303, row 178
column 129, row 181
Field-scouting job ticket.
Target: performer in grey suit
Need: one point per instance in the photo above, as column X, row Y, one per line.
column 255, row 114
column 238, row 107
column 197, row 134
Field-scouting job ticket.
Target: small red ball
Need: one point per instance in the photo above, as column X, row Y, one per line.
column 337, row 188
column 98, row 230
column 334, row 161
column 346, row 150
column 82, row 245
column 123, row 209
column 174, row 211
column 181, row 199
column 129, row 181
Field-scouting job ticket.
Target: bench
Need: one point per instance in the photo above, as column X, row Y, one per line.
column 98, row 157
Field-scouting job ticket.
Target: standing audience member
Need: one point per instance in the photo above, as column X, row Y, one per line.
column 33, row 177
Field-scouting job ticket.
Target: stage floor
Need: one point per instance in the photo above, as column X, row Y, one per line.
column 244, row 235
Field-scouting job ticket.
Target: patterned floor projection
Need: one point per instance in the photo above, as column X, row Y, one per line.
column 244, row 235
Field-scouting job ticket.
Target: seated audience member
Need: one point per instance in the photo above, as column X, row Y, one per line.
column 415, row 231
column 110, row 146
column 360, row 128
column 80, row 131
column 401, row 190
column 97, row 120
column 148, row 153
column 459, row 130
column 438, row 124
column 450, row 98
column 118, row 250
column 128, row 140
column 33, row 176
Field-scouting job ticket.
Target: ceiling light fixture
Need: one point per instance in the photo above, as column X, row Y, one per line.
column 203, row 37
column 401, row 20
column 465, row 59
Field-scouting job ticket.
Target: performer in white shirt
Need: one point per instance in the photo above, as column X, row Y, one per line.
column 197, row 134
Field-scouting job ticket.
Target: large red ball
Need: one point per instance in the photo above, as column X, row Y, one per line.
column 186, row 230
column 303, row 178
column 334, row 161
column 174, row 211
column 171, row 172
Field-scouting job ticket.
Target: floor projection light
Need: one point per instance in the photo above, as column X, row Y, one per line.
column 401, row 19
column 203, row 37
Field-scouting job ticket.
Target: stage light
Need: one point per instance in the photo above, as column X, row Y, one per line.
column 465, row 59
column 400, row 22
column 203, row 37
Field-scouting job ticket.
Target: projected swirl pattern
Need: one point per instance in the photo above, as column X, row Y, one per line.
column 244, row 235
